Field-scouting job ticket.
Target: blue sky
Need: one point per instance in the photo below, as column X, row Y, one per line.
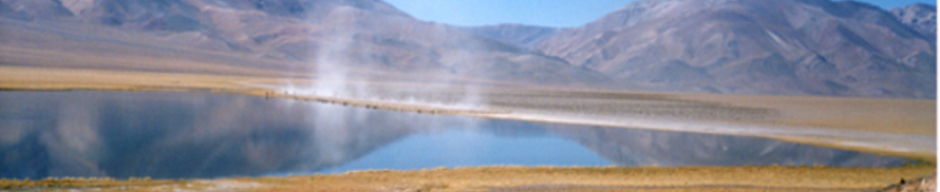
column 554, row 13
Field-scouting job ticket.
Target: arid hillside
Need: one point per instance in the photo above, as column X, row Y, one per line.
column 921, row 17
column 790, row 47
column 335, row 38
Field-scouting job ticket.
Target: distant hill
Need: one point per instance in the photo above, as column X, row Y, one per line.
column 791, row 47
column 524, row 36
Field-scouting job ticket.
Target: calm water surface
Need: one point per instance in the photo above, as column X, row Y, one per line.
column 193, row 135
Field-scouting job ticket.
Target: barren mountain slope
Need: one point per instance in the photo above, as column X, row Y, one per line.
column 792, row 47
column 921, row 17
column 315, row 36
column 524, row 36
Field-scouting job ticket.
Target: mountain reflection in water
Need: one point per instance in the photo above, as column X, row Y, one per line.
column 197, row 135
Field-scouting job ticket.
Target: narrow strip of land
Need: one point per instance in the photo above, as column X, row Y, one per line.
column 765, row 178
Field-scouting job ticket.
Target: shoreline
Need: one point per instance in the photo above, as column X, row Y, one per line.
column 517, row 178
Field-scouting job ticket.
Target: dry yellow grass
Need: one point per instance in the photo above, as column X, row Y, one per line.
column 764, row 178
column 29, row 78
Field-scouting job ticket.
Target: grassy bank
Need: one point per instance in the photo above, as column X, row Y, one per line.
column 745, row 178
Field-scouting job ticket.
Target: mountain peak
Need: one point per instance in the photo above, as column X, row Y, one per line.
column 923, row 6
column 921, row 17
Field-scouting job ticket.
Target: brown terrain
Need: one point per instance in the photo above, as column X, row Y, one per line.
column 926, row 183
column 768, row 178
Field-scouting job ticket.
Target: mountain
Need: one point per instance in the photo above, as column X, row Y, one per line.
column 332, row 37
column 39, row 8
column 919, row 16
column 790, row 47
column 524, row 36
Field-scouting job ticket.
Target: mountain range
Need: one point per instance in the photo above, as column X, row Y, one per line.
column 782, row 47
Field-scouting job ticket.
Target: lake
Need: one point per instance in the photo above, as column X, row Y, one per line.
column 202, row 135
